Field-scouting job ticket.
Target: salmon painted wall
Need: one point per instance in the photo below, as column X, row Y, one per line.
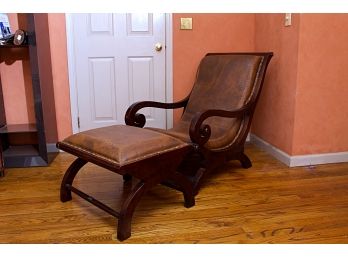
column 59, row 57
column 321, row 113
column 304, row 98
column 16, row 78
column 275, row 112
column 210, row 33
column 302, row 109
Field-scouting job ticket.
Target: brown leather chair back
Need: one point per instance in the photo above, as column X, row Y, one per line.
column 226, row 82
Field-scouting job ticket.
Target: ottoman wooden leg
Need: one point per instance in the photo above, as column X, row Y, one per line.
column 65, row 187
column 127, row 210
column 127, row 177
column 129, row 158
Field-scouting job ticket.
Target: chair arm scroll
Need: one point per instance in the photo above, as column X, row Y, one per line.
column 200, row 132
column 132, row 118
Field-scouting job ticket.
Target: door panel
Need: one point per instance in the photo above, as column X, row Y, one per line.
column 101, row 23
column 139, row 24
column 116, row 64
column 103, row 91
column 141, row 81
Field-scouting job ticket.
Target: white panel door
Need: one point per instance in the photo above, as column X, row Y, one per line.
column 116, row 64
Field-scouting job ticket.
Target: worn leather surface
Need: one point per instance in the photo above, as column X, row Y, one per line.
column 121, row 144
column 223, row 82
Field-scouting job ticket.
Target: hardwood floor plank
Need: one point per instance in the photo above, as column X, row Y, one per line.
column 268, row 203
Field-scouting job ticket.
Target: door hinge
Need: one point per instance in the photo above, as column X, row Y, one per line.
column 78, row 122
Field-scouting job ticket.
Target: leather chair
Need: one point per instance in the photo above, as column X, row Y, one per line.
column 212, row 131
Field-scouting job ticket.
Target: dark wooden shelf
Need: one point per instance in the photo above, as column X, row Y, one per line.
column 18, row 128
column 21, row 150
column 27, row 145
column 14, row 46
column 23, row 156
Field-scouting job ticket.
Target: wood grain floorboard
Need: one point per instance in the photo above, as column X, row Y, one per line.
column 268, row 203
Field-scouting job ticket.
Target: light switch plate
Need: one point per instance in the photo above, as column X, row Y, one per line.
column 185, row 23
column 287, row 19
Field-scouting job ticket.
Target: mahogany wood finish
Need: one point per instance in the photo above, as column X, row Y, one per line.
column 132, row 118
column 183, row 168
column 2, row 124
column 148, row 175
column 202, row 161
column 2, row 167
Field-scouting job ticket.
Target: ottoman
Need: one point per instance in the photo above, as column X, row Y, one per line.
column 147, row 155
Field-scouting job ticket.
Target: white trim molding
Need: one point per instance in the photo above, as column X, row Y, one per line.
column 299, row 160
column 51, row 148
column 72, row 73
column 272, row 150
column 248, row 138
column 169, row 68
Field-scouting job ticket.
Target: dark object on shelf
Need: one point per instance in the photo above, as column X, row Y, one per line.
column 212, row 130
column 20, row 37
column 8, row 40
column 25, row 145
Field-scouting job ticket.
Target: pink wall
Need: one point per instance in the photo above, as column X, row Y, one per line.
column 275, row 112
column 210, row 33
column 321, row 114
column 56, row 23
column 16, row 78
column 16, row 81
column 302, row 109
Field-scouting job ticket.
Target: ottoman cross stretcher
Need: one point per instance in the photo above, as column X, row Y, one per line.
column 131, row 152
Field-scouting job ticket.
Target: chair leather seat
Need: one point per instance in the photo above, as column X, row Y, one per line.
column 217, row 140
column 121, row 144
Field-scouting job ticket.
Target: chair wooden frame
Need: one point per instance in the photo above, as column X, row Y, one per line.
column 182, row 169
column 202, row 161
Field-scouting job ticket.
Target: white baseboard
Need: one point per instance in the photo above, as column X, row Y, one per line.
column 51, row 147
column 248, row 137
column 272, row 150
column 314, row 159
column 299, row 160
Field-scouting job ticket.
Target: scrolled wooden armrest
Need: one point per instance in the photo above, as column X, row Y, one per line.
column 200, row 133
column 132, row 118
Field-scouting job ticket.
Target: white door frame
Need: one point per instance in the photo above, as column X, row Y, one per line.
column 72, row 73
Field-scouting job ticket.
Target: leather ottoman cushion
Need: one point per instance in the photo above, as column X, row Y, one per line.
column 121, row 144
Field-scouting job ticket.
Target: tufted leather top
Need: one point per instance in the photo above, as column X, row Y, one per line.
column 120, row 144
column 223, row 82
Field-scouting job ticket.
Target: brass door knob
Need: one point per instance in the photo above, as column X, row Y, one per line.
column 158, row 47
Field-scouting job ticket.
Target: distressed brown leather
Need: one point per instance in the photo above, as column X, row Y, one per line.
column 121, row 144
column 223, row 82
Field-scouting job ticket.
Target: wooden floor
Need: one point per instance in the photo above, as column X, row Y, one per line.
column 268, row 203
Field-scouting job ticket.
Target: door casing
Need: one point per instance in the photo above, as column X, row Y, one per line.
column 72, row 72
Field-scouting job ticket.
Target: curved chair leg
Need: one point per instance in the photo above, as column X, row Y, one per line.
column 186, row 186
column 245, row 161
column 200, row 175
column 127, row 210
column 127, row 177
column 65, row 191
